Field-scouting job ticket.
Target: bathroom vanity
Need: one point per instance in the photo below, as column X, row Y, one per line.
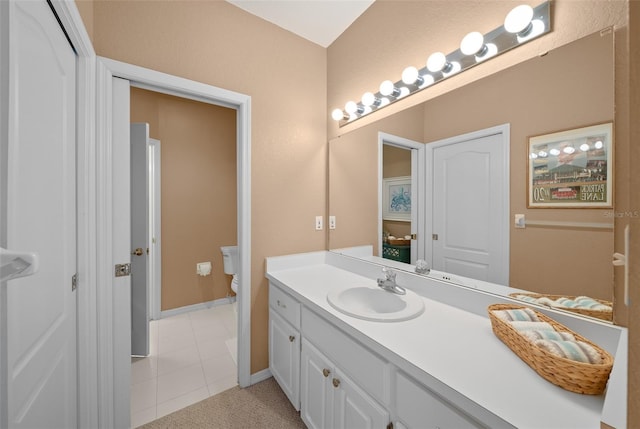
column 442, row 367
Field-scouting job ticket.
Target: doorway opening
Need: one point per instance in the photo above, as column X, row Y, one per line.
column 196, row 327
column 112, row 336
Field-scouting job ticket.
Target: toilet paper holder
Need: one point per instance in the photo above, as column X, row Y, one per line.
column 203, row 268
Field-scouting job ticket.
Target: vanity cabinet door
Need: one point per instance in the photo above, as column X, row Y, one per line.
column 329, row 399
column 284, row 357
column 353, row 408
column 315, row 392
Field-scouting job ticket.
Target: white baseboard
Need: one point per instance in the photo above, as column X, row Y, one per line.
column 196, row 307
column 260, row 376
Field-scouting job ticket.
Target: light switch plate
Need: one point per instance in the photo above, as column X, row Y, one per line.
column 332, row 222
column 318, row 223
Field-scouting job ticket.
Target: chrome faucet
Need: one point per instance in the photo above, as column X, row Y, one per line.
column 389, row 282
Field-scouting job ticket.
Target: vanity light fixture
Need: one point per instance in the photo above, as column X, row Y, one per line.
column 522, row 24
column 387, row 88
column 411, row 76
column 569, row 149
column 369, row 99
column 437, row 62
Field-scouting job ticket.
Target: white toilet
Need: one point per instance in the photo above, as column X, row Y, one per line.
column 230, row 263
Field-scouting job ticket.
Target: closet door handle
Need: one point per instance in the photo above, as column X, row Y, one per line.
column 326, row 372
column 336, row 382
column 292, row 338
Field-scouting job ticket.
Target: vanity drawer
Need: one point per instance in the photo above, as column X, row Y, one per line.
column 364, row 367
column 284, row 305
column 419, row 407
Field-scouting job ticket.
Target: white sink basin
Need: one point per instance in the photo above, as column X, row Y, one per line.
column 375, row 304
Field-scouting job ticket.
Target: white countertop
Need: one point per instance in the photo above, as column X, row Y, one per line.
column 455, row 347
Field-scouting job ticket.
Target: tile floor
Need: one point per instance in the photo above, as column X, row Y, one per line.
column 193, row 356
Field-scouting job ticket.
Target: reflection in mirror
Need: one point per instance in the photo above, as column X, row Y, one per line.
column 396, row 204
column 567, row 253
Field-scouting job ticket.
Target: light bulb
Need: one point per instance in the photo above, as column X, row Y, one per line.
column 542, row 154
column 472, row 44
column 584, row 147
column 599, row 144
column 533, row 155
column 535, row 29
column 569, row 149
column 518, row 20
column 351, row 107
column 368, row 99
column 387, row 88
column 410, row 76
column 337, row 114
column 554, row 152
column 437, row 62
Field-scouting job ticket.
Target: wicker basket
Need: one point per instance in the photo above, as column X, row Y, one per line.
column 578, row 377
column 598, row 314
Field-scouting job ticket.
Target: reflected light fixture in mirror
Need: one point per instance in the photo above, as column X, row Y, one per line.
column 522, row 24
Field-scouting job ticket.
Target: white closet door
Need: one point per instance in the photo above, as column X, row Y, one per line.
column 39, row 349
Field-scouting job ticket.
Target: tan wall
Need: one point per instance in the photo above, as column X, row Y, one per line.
column 198, row 184
column 219, row 44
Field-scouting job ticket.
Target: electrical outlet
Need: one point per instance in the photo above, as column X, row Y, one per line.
column 332, row 222
column 318, row 223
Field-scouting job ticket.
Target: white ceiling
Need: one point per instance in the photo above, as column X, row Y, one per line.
column 320, row 21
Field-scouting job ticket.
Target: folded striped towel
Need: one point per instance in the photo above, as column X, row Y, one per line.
column 546, row 301
column 533, row 336
column 520, row 314
column 590, row 303
column 531, row 326
column 527, row 298
column 566, row 302
column 574, row 350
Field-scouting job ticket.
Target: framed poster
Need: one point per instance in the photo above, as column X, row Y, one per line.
column 571, row 169
column 396, row 199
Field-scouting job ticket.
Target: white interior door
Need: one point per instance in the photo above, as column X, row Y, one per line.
column 139, row 239
column 121, row 240
column 38, row 312
column 470, row 207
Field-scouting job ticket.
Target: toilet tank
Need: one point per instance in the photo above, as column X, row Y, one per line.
column 230, row 259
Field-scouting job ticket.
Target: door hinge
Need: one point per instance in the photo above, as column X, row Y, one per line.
column 123, row 270
column 390, row 425
column 74, row 282
column 414, row 236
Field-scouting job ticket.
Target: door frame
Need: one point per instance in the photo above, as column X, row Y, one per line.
column 504, row 131
column 417, row 179
column 156, row 81
column 155, row 262
column 87, row 213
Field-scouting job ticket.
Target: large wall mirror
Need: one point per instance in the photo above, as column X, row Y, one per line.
column 563, row 251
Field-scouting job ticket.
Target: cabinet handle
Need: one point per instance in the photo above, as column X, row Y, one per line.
column 281, row 304
column 336, row 382
column 291, row 338
column 326, row 372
